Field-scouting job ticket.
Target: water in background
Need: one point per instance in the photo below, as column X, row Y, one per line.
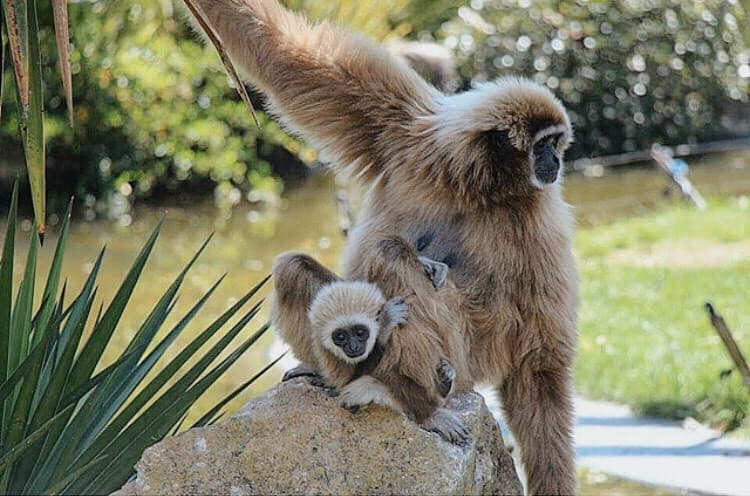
column 306, row 219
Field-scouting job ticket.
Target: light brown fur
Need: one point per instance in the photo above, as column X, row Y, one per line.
column 409, row 366
column 413, row 388
column 457, row 169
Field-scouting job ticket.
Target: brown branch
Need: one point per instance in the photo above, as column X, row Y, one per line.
column 212, row 35
column 717, row 321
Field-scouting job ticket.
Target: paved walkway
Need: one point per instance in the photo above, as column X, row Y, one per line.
column 664, row 453
column 611, row 439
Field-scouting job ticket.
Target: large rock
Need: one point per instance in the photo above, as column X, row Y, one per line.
column 297, row 440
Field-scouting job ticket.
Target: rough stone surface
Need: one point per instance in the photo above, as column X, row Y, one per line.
column 297, row 440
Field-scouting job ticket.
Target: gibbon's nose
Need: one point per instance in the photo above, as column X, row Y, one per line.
column 354, row 349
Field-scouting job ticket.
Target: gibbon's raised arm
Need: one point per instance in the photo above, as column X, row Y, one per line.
column 349, row 97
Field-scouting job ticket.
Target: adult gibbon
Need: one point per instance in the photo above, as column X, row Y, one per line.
column 471, row 180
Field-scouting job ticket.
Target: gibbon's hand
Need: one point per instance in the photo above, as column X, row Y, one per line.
column 437, row 272
column 395, row 312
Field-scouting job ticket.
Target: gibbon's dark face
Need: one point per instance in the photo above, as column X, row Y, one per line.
column 546, row 158
column 352, row 340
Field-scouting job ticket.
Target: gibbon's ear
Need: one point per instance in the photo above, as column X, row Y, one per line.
column 498, row 145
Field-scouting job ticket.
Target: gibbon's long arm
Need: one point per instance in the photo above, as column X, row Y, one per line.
column 349, row 97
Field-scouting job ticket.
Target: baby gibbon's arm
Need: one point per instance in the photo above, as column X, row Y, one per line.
column 349, row 97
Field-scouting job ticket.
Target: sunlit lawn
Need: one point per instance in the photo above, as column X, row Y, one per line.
column 645, row 338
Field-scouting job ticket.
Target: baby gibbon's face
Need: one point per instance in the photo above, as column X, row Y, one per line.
column 352, row 340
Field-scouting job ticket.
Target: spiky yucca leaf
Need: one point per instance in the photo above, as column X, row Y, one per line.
column 65, row 428
column 60, row 12
column 22, row 29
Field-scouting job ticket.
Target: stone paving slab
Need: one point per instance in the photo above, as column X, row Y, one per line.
column 665, row 453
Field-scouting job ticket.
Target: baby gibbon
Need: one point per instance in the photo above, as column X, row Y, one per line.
column 348, row 336
column 352, row 325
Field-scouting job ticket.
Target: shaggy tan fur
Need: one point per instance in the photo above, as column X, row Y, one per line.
column 454, row 177
column 409, row 367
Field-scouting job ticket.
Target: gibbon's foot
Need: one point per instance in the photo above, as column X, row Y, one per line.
column 318, row 380
column 448, row 425
column 299, row 371
column 437, row 272
column 396, row 311
column 360, row 392
column 350, row 400
column 446, row 375
column 321, row 382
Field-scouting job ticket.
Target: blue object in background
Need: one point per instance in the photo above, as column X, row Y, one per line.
column 678, row 167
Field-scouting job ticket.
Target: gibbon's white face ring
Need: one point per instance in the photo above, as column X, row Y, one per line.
column 548, row 131
column 347, row 321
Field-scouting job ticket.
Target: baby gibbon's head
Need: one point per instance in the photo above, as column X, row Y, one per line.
column 344, row 318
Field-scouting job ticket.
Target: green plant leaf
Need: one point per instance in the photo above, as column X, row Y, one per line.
column 16, row 23
column 20, row 324
column 60, row 13
column 59, row 487
column 7, row 387
column 6, row 284
column 23, row 35
column 50, row 396
column 120, row 465
column 16, row 451
column 77, row 316
column 2, row 60
column 135, row 374
column 122, row 444
column 112, row 394
column 210, row 416
column 166, row 374
column 94, row 347
column 67, row 429
column 53, row 276
column 33, row 137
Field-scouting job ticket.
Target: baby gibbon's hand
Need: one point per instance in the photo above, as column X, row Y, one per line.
column 437, row 272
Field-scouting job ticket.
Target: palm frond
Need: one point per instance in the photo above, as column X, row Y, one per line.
column 66, row 428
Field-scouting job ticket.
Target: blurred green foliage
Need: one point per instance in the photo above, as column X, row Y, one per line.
column 631, row 72
column 155, row 112
column 153, row 109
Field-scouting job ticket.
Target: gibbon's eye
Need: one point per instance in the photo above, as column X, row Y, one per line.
column 361, row 332
column 553, row 140
column 339, row 337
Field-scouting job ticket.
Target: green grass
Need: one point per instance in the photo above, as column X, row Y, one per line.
column 645, row 338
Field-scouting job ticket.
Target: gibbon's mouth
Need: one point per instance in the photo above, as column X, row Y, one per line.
column 354, row 352
column 546, row 176
column 546, row 164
